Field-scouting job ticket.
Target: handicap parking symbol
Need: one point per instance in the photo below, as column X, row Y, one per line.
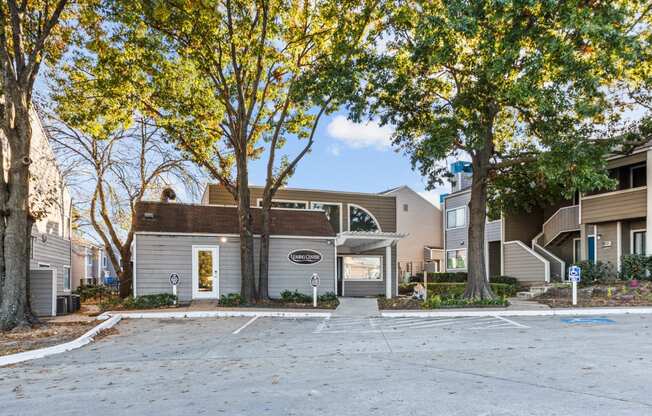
column 590, row 321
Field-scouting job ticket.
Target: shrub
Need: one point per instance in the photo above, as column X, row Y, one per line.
column 453, row 277
column 149, row 301
column 92, row 291
column 295, row 297
column 634, row 266
column 327, row 297
column 231, row 299
column 595, row 272
column 437, row 301
column 457, row 289
column 508, row 280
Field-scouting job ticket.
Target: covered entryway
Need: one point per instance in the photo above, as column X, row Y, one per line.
column 366, row 264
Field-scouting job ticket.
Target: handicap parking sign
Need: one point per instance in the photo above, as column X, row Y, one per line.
column 575, row 273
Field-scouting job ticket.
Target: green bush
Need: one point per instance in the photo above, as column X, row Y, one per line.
column 453, row 277
column 328, row 297
column 596, row 272
column 635, row 266
column 92, row 291
column 231, row 299
column 457, row 289
column 436, row 301
column 295, row 297
column 149, row 301
column 508, row 280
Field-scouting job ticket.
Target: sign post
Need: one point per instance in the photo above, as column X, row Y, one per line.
column 425, row 284
column 314, row 282
column 575, row 276
column 174, row 281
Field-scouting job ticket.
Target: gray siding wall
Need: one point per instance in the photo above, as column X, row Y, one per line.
column 613, row 207
column 521, row 264
column 40, row 290
column 457, row 238
column 55, row 251
column 157, row 256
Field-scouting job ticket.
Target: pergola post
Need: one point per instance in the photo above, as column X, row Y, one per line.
column 388, row 271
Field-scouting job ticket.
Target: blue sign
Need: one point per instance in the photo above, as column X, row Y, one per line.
column 574, row 274
column 588, row 321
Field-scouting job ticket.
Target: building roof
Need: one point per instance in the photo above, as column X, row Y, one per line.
column 211, row 219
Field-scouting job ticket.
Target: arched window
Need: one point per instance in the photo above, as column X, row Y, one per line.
column 361, row 220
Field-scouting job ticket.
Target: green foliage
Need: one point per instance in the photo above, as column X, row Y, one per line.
column 508, row 280
column 437, row 301
column 231, row 299
column 441, row 277
column 295, row 297
column 457, row 289
column 635, row 266
column 87, row 292
column 154, row 301
column 327, row 297
column 596, row 272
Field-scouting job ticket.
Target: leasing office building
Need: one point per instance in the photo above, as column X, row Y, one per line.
column 538, row 246
column 350, row 238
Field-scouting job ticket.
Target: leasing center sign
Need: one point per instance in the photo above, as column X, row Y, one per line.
column 304, row 257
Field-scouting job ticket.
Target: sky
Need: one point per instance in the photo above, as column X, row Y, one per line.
column 348, row 156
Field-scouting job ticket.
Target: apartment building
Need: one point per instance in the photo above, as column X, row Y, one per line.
column 538, row 246
column 50, row 248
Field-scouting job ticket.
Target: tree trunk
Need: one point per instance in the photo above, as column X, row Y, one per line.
column 477, row 285
column 263, row 272
column 245, row 227
column 126, row 273
column 14, row 307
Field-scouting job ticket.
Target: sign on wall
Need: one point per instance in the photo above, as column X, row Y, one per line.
column 304, row 257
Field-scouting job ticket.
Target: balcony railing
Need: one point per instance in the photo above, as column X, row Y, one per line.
column 566, row 219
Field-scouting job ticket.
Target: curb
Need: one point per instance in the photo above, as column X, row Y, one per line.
column 57, row 349
column 213, row 314
column 542, row 312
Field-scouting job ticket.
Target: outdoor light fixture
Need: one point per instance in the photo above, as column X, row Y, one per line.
column 223, row 239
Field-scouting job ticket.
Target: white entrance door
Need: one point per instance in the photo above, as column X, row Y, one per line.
column 205, row 272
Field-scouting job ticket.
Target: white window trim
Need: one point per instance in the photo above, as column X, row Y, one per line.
column 341, row 205
column 348, row 216
column 294, row 201
column 631, row 238
column 382, row 268
column 457, row 268
column 575, row 256
column 631, row 174
column 466, row 220
column 63, row 279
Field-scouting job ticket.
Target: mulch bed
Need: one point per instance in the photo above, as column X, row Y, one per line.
column 600, row 295
column 280, row 304
column 41, row 336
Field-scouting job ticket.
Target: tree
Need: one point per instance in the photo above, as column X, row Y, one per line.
column 114, row 170
column 235, row 80
column 518, row 86
column 30, row 34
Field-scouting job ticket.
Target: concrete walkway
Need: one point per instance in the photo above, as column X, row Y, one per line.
column 358, row 307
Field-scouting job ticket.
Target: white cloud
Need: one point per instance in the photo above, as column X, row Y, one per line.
column 359, row 135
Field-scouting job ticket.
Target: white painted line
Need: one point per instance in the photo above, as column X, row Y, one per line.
column 512, row 322
column 538, row 312
column 57, row 349
column 214, row 314
column 249, row 322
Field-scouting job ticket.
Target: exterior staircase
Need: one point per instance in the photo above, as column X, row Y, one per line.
column 555, row 229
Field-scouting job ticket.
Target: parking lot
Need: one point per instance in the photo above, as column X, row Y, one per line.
column 346, row 366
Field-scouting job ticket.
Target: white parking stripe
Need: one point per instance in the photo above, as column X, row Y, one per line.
column 249, row 322
column 511, row 322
